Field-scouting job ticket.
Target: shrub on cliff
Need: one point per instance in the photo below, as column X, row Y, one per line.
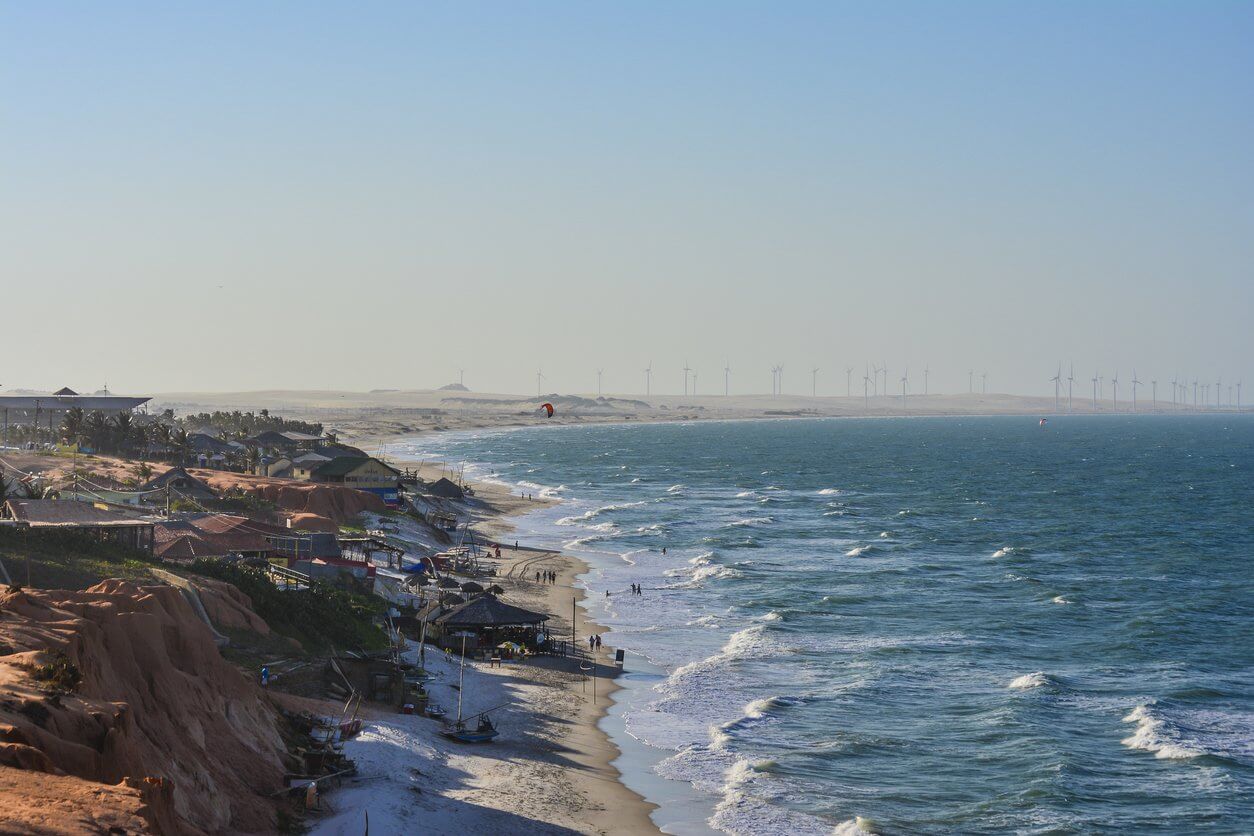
column 319, row 617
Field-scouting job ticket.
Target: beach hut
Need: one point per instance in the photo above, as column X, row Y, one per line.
column 182, row 484
column 495, row 590
column 445, row 489
column 447, row 583
column 492, row 621
column 471, row 588
column 450, row 599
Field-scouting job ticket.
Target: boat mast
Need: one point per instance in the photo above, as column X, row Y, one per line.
column 461, row 675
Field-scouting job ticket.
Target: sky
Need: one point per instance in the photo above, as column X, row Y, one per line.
column 238, row 195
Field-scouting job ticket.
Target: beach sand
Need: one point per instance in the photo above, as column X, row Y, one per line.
column 550, row 770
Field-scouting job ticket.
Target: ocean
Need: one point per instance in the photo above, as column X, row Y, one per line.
column 926, row 625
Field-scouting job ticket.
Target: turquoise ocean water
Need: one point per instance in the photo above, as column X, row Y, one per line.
column 970, row 625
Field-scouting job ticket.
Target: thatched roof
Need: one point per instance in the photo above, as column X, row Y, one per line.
column 472, row 587
column 445, row 488
column 447, row 583
column 489, row 611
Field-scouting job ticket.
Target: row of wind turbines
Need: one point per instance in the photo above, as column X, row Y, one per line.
column 1198, row 395
column 1179, row 392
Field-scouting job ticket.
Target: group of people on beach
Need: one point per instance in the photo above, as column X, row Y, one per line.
column 550, row 577
column 594, row 643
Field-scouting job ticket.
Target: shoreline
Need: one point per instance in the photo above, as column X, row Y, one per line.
column 557, row 753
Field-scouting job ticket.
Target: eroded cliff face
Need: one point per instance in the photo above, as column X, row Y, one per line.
column 116, row 706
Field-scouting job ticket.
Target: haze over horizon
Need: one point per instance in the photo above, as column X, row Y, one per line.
column 374, row 196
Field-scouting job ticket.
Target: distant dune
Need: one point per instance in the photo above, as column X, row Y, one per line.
column 385, row 413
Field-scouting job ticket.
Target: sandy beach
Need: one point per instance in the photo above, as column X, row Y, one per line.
column 549, row 771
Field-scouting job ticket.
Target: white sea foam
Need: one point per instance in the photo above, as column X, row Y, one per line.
column 748, row 809
column 859, row 551
column 1039, row 679
column 750, row 521
column 675, row 489
column 830, row 492
column 746, row 494
column 1154, row 734
column 1005, row 551
column 771, row 616
column 714, row 571
column 1058, row 599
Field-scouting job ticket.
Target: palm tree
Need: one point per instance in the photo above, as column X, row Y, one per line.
column 179, row 440
column 72, row 425
column 160, row 435
column 96, row 428
column 123, row 430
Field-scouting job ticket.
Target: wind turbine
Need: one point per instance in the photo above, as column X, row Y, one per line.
column 1154, row 389
column 984, row 384
column 1195, row 393
column 1173, row 391
column 1095, row 378
column 904, row 377
column 1238, row 396
column 648, row 379
column 461, row 377
column 814, row 382
column 686, row 370
column 1114, row 391
column 726, row 377
column 1135, row 383
column 1057, row 381
column 694, row 383
column 599, row 371
column 1070, row 383
column 885, row 371
column 848, row 381
column 926, row 372
column 875, row 381
column 781, row 378
column 1219, row 385
column 971, row 381
column 539, row 377
column 866, row 383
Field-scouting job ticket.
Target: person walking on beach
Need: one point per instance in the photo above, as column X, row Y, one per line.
column 598, row 642
column 537, row 576
column 592, row 642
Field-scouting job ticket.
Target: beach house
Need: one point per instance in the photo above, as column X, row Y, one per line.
column 363, row 474
column 95, row 520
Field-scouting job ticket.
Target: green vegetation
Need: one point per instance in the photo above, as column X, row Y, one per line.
column 320, row 617
column 59, row 676
column 60, row 560
column 242, row 424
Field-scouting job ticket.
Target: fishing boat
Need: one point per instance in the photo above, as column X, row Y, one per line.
column 484, row 731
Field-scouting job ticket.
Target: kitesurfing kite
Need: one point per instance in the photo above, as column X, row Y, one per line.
column 548, row 407
column 1044, row 421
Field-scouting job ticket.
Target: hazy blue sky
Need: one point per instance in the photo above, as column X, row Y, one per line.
column 359, row 195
